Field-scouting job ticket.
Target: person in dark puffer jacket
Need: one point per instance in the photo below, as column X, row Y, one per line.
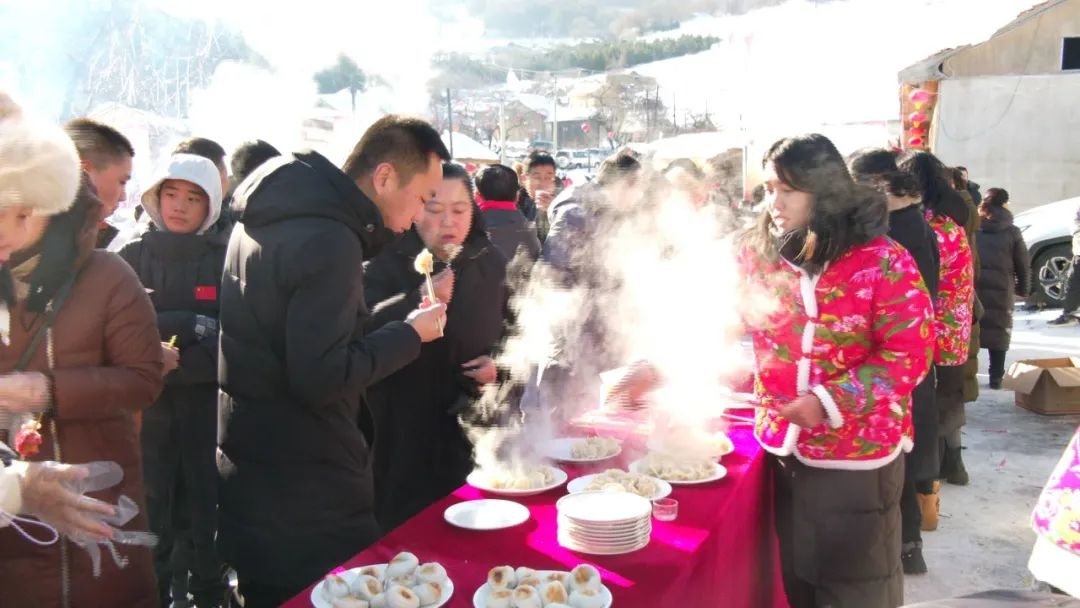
column 507, row 226
column 180, row 260
column 1006, row 274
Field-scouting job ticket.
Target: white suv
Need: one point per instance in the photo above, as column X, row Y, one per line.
column 1047, row 230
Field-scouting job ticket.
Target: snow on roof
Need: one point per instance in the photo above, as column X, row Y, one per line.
column 465, row 147
column 930, row 68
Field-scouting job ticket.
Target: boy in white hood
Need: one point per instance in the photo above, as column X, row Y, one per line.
column 186, row 197
column 180, row 259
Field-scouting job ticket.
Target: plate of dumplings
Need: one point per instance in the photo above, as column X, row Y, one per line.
column 507, row 587
column 527, row 481
column 679, row 470
column 403, row 583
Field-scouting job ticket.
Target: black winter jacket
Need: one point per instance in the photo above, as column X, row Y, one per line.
column 908, row 227
column 294, row 430
column 1005, row 274
column 422, row 453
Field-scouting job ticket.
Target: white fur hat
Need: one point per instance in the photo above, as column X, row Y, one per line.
column 39, row 166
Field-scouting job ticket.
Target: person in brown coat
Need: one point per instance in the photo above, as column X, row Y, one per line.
column 98, row 364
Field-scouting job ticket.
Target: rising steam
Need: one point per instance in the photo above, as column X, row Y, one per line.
column 662, row 287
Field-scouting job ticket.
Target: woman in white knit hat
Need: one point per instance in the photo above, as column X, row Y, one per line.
column 79, row 355
column 34, row 488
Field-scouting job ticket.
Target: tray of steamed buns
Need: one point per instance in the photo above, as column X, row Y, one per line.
column 507, row 587
column 403, row 583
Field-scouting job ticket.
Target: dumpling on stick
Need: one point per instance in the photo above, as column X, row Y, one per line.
column 425, row 265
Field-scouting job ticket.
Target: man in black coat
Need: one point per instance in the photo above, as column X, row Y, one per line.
column 179, row 260
column 294, row 430
column 507, row 226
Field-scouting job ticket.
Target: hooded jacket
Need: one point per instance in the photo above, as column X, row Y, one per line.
column 1006, row 273
column 856, row 335
column 294, row 429
column 422, row 453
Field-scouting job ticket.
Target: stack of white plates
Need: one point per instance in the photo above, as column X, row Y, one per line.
column 604, row 523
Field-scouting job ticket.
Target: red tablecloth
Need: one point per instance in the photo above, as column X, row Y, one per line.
column 721, row 550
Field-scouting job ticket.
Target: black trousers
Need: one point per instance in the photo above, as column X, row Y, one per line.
column 839, row 534
column 1072, row 288
column 181, row 478
column 997, row 363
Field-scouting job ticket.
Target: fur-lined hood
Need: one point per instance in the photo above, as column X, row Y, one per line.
column 39, row 166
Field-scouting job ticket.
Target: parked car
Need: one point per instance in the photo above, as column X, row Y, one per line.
column 541, row 145
column 1047, row 231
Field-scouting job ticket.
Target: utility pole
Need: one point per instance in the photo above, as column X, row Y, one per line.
column 502, row 131
column 450, row 121
column 555, row 119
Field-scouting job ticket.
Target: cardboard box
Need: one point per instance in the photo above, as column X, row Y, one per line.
column 1046, row 386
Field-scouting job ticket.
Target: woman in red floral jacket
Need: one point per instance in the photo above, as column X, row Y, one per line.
column 947, row 215
column 837, row 360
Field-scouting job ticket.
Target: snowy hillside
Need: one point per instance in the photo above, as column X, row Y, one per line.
column 803, row 64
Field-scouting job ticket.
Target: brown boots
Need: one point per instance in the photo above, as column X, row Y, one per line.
column 929, row 504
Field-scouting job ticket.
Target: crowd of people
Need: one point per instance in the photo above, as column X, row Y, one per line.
column 280, row 386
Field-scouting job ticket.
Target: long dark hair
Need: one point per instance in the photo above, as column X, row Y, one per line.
column 843, row 214
column 935, row 182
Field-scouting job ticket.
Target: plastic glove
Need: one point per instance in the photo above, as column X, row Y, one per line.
column 50, row 492
column 125, row 511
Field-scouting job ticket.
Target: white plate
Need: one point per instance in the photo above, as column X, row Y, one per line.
column 480, row 597
column 476, row 480
column 487, row 514
column 567, row 543
column 579, row 485
column 317, row 593
column 701, row 444
column 719, row 472
column 562, row 450
column 604, row 508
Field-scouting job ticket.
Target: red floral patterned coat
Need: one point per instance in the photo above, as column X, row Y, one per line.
column 858, row 336
column 956, row 292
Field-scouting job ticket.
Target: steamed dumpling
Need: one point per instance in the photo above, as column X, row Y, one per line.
column 553, row 592
column 531, row 580
column 586, row 598
column 562, row 577
column 585, row 577
column 400, row 597
column 431, row 573
column 334, row 587
column 403, row 563
column 429, row 593
column 524, row 572
column 378, row 572
column 349, row 602
column 500, row 598
column 379, row 601
column 502, row 577
column 366, row 587
column 407, row 581
column 527, row 597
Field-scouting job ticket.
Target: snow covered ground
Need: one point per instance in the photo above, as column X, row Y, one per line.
column 984, row 539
